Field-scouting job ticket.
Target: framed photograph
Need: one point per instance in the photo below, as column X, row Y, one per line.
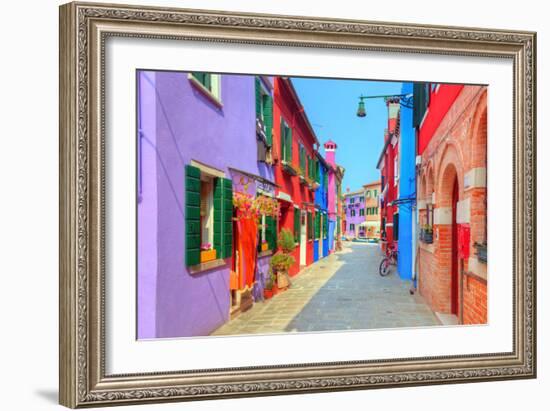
column 260, row 205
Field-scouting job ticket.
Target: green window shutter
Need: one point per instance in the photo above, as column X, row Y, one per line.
column 204, row 78
column 317, row 224
column 271, row 232
column 192, row 215
column 227, row 229
column 223, row 217
column 218, row 217
column 325, row 225
column 268, row 119
column 338, row 223
column 309, row 226
column 258, row 89
column 289, row 145
column 296, row 225
column 283, row 139
column 317, row 170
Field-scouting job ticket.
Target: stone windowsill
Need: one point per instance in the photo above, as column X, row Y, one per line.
column 209, row 265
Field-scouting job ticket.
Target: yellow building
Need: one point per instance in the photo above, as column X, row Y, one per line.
column 372, row 210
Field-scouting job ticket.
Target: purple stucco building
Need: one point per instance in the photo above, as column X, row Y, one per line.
column 354, row 206
column 190, row 122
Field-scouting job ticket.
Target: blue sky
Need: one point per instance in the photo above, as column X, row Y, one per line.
column 331, row 106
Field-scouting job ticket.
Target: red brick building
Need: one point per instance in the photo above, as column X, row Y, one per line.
column 451, row 124
column 389, row 171
column 294, row 153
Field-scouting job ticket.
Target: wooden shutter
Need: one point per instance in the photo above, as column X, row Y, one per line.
column 192, row 216
column 283, row 139
column 223, row 217
column 268, row 119
column 296, row 225
column 420, row 103
column 317, row 224
column 227, row 229
column 325, row 225
column 258, row 88
column 218, row 217
column 309, row 226
column 289, row 145
column 271, row 232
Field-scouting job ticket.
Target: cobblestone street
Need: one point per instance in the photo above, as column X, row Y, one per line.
column 341, row 292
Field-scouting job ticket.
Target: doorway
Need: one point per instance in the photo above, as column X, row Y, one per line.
column 454, row 251
column 303, row 238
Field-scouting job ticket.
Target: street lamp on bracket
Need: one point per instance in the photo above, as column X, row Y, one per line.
column 406, row 100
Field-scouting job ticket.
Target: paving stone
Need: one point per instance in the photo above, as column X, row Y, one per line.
column 341, row 292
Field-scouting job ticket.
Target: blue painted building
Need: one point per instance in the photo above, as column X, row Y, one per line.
column 406, row 199
column 321, row 242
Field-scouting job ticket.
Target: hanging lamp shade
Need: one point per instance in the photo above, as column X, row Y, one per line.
column 361, row 111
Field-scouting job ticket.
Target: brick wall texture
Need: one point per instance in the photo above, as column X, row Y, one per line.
column 457, row 152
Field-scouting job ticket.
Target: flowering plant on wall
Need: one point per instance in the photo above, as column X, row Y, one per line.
column 268, row 206
column 245, row 205
column 206, row 246
column 250, row 207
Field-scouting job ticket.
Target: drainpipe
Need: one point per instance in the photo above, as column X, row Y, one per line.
column 140, row 136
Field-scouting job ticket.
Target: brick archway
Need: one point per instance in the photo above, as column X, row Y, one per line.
column 449, row 190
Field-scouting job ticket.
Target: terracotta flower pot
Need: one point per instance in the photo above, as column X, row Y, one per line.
column 268, row 294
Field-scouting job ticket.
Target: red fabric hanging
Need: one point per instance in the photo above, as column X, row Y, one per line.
column 247, row 245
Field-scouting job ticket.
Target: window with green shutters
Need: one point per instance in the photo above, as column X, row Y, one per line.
column 222, row 209
column 325, row 225
column 302, row 160
column 204, row 78
column 317, row 170
column 338, row 226
column 264, row 110
column 309, row 226
column 297, row 215
column 192, row 216
column 286, row 142
column 317, row 225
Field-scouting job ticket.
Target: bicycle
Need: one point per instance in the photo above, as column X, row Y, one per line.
column 389, row 260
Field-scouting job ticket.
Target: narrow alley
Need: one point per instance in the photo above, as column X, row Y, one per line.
column 341, row 292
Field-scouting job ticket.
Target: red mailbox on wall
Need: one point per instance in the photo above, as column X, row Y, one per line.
column 464, row 241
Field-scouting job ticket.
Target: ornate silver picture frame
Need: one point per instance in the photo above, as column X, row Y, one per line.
column 84, row 30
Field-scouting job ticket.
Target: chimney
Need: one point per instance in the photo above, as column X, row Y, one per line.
column 330, row 152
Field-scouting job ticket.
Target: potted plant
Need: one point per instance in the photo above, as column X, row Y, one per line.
column 207, row 252
column 268, row 289
column 265, row 245
column 282, row 260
